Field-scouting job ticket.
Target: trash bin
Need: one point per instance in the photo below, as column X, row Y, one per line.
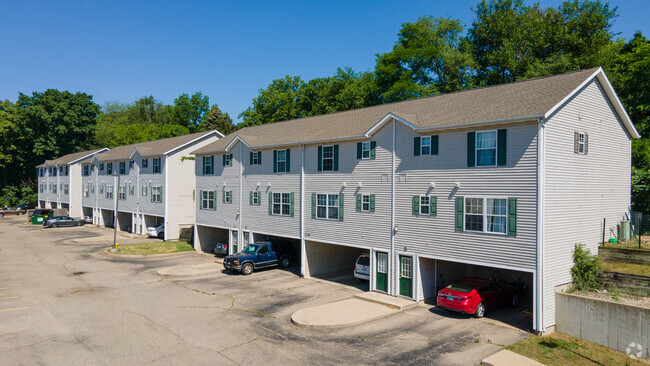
column 41, row 215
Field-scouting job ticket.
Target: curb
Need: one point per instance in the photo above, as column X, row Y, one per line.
column 300, row 325
column 143, row 256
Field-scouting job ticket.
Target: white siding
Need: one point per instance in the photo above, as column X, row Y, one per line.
column 581, row 190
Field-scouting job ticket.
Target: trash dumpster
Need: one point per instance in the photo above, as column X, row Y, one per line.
column 41, row 215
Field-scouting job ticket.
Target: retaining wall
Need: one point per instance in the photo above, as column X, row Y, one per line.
column 626, row 282
column 621, row 255
column 621, row 327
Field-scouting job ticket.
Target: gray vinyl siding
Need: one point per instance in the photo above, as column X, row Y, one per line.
column 91, row 200
column 63, row 180
column 435, row 236
column 130, row 178
column 581, row 190
column 368, row 229
column 149, row 179
column 225, row 215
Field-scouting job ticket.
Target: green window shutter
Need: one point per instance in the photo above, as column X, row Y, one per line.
column 341, row 202
column 291, row 214
column 223, row 158
column 372, row 203
column 230, row 196
column 313, row 205
column 416, row 205
column 359, row 202
column 359, row 150
column 250, row 198
column 336, row 158
column 471, row 149
column 215, row 200
column 231, row 159
column 512, row 216
column 275, row 162
column 251, row 157
column 434, row 145
column 433, row 210
column 259, row 158
column 460, row 203
column 416, row 146
column 373, row 147
column 201, row 199
column 223, row 196
column 270, row 203
column 501, row 147
column 320, row 158
column 288, row 161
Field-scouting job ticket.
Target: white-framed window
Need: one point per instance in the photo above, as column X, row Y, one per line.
column 109, row 192
column 121, row 191
column 255, row 157
column 581, row 143
column 144, row 191
column 485, row 214
column 425, row 145
column 145, row 163
column 66, row 188
column 486, row 148
column 156, row 166
column 425, row 205
column 130, row 164
column 207, row 200
column 365, row 150
column 365, row 202
column 67, row 171
column 227, row 196
column 327, row 206
column 131, row 190
column 227, row 160
column 109, row 168
column 86, row 170
column 86, row 192
column 101, row 167
column 122, row 167
column 282, row 204
column 156, row 194
column 101, row 188
column 281, row 161
column 92, row 187
column 208, row 165
column 255, row 198
column 328, row 158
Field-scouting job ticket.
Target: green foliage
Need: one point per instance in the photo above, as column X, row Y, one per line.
column 189, row 111
column 9, row 196
column 217, row 120
column 278, row 102
column 616, row 296
column 640, row 190
column 585, row 269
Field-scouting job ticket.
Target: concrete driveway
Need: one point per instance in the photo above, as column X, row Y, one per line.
column 63, row 302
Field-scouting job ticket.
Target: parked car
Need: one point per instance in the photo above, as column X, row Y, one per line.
column 476, row 296
column 362, row 267
column 62, row 221
column 88, row 219
column 221, row 248
column 156, row 231
column 25, row 207
column 259, row 255
column 6, row 211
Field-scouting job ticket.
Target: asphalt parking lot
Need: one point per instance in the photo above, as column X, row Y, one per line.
column 64, row 302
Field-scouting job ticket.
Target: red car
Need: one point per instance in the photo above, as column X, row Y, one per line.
column 476, row 296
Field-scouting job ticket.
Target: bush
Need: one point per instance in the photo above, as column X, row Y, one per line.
column 585, row 269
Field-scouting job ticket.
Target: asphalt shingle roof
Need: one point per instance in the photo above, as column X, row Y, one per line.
column 149, row 148
column 67, row 159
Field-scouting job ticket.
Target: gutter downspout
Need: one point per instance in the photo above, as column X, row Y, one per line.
column 240, row 235
column 539, row 273
column 302, row 214
column 166, row 188
column 393, row 287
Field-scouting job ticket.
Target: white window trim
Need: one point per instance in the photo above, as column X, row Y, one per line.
column 422, row 145
column 108, row 192
column 280, row 204
column 227, row 197
column 581, row 144
column 144, row 191
column 485, row 215
column 428, row 205
column 496, row 149
column 153, row 169
column 228, row 160
column 156, row 192
column 327, row 206
column 208, row 162
column 121, row 193
column 256, row 160
column 323, row 158
column 278, row 161
column 256, row 198
column 145, row 163
column 205, row 200
column 363, row 197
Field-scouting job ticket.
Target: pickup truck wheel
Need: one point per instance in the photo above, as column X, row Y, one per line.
column 246, row 269
column 285, row 262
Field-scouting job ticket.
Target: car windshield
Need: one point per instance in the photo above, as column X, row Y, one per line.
column 250, row 249
column 461, row 287
column 363, row 260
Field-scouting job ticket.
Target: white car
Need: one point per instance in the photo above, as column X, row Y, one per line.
column 362, row 267
column 156, row 231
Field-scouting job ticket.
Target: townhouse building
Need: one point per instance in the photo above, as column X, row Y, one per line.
column 500, row 181
column 59, row 182
column 142, row 185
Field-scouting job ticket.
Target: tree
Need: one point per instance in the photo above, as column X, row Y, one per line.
column 429, row 58
column 344, row 91
column 278, row 102
column 218, row 120
column 189, row 111
column 8, row 141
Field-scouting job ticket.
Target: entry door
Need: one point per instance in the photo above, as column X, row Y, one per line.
column 233, row 242
column 406, row 276
column 381, row 276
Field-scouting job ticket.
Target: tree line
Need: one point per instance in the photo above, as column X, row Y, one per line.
column 508, row 41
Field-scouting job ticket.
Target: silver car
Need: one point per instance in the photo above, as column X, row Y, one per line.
column 362, row 267
column 62, row 221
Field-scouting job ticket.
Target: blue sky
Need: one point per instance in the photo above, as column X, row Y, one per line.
column 123, row 50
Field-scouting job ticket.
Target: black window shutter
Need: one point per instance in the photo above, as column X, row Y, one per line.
column 259, row 158
column 434, row 145
column 336, row 158
column 359, row 150
column 320, row 158
column 471, row 149
column 416, row 146
column 224, row 159
column 501, row 146
column 251, row 154
column 373, row 147
column 275, row 161
column 288, row 164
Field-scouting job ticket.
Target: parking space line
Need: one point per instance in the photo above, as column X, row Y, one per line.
column 4, row 288
column 8, row 298
column 12, row 309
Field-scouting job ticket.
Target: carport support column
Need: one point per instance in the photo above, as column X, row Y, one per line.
column 391, row 260
column 538, row 283
column 302, row 211
column 240, row 234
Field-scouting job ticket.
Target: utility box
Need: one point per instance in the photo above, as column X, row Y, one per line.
column 625, row 231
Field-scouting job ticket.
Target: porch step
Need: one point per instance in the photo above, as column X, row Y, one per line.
column 390, row 301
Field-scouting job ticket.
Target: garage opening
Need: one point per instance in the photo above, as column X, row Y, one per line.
column 41, row 204
column 208, row 237
column 87, row 212
column 107, row 218
column 335, row 263
column 153, row 221
column 436, row 275
column 125, row 221
column 293, row 244
column 53, row 205
column 66, row 206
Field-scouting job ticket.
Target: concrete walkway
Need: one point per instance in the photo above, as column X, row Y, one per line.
column 360, row 309
column 508, row 358
column 190, row 270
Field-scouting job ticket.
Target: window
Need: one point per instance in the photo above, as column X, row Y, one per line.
column 486, row 215
column 92, row 187
column 256, row 158
column 101, row 167
column 207, row 200
column 144, row 191
column 92, row 168
column 54, row 188
column 122, row 167
column 67, row 170
column 425, row 145
column 580, row 143
column 109, row 168
column 328, row 158
column 227, row 196
column 327, row 206
column 282, row 204
column 54, row 172
column 109, row 192
column 281, row 158
column 366, row 202
column 208, row 165
column 40, row 172
column 130, row 164
column 131, row 190
column 145, row 163
column 425, row 205
column 60, row 186
column 101, row 188
column 486, row 148
column 86, row 170
column 121, row 191
column 227, row 160
column 255, row 198
column 156, row 166
column 61, row 171
column 86, row 190
column 66, row 189
column 365, row 150
column 156, row 192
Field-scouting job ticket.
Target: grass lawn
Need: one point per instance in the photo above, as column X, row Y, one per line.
column 632, row 244
column 560, row 349
column 155, row 248
column 639, row 269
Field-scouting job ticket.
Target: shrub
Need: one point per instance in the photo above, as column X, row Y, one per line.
column 585, row 269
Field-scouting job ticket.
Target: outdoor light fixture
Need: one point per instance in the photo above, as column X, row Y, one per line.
column 457, row 185
column 258, row 184
column 359, row 185
column 224, row 184
column 344, row 185
column 432, row 185
column 269, row 185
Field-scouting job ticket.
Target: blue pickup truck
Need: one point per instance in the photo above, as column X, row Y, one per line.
column 259, row 255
